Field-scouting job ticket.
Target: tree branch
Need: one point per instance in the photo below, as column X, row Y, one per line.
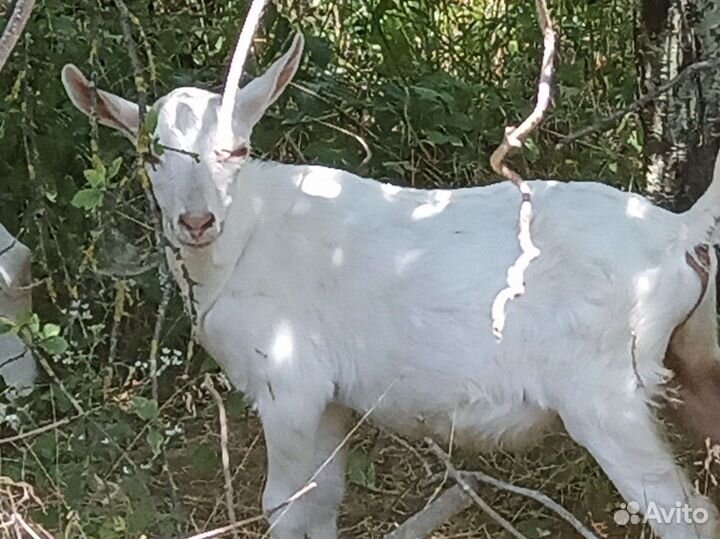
column 470, row 491
column 421, row 524
column 538, row 497
column 605, row 122
column 15, row 26
column 236, row 67
column 514, row 139
column 225, row 454
column 451, row 505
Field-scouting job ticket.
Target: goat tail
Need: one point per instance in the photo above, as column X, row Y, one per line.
column 702, row 221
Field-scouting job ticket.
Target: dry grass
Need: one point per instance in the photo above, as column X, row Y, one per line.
column 17, row 499
column 406, row 477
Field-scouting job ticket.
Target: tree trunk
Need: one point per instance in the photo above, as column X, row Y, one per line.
column 682, row 127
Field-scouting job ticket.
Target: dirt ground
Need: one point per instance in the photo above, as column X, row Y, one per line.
column 390, row 479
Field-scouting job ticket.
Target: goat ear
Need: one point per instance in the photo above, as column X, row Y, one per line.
column 112, row 111
column 254, row 98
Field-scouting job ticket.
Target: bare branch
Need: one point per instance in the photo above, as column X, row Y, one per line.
column 35, row 432
column 481, row 477
column 538, row 497
column 310, row 484
column 236, row 67
column 514, row 139
column 222, row 417
column 17, row 517
column 606, row 121
column 140, row 85
column 16, row 24
column 421, row 524
column 227, row 529
column 467, row 489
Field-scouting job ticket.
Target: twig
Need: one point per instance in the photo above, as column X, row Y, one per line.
column 407, row 445
column 125, row 451
column 54, row 377
column 76, row 404
column 606, row 121
column 538, row 497
column 222, row 417
column 514, row 139
column 299, row 494
column 236, row 69
column 140, row 86
column 237, row 525
column 157, row 332
column 194, row 155
column 17, row 517
column 15, row 25
column 307, row 486
column 227, row 529
column 358, row 138
column 467, row 489
column 421, row 524
column 118, row 313
column 35, row 432
column 141, row 147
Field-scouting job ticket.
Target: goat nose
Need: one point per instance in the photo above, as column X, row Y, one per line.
column 197, row 223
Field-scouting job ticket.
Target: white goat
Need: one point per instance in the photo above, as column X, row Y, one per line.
column 17, row 365
column 319, row 291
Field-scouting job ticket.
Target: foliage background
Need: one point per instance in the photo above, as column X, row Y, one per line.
column 415, row 92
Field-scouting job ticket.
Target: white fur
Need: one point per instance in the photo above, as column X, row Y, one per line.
column 321, row 290
column 17, row 365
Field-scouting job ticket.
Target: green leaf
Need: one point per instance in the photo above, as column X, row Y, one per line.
column 533, row 152
column 436, row 137
column 50, row 330
column 27, row 318
column 320, row 51
column 236, row 405
column 361, row 469
column 146, row 409
column 54, row 345
column 99, row 166
column 51, row 195
column 114, row 168
column 151, row 120
column 94, row 177
column 155, row 440
column 428, row 94
column 87, row 199
column 157, row 148
column 205, row 460
column 31, row 321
